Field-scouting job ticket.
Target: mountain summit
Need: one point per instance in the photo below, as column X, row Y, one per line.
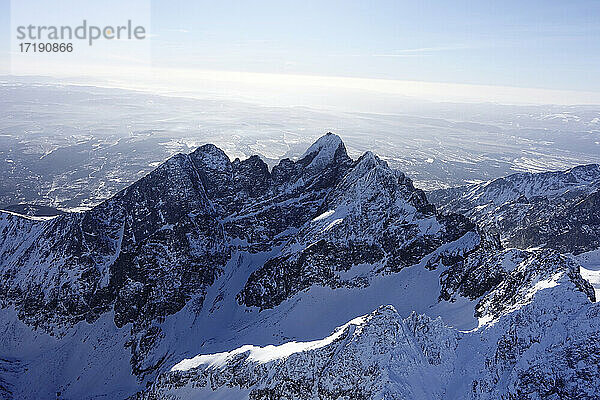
column 326, row 150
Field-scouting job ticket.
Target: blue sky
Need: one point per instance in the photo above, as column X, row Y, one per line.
column 543, row 44
column 531, row 44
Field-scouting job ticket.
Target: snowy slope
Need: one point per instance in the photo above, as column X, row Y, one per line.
column 378, row 355
column 590, row 269
column 544, row 344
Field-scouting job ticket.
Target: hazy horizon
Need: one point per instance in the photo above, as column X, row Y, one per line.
column 540, row 52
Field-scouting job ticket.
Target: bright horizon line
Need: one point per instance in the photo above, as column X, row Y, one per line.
column 186, row 82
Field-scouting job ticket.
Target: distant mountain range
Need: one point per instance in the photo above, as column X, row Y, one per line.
column 210, row 278
column 550, row 209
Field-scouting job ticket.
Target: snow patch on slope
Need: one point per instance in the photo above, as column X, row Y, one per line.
column 261, row 355
column 590, row 269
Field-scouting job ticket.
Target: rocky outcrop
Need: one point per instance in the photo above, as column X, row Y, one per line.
column 374, row 215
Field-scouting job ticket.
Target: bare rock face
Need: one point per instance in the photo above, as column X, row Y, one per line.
column 374, row 215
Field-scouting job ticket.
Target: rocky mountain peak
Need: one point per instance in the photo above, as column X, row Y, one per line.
column 326, row 150
column 369, row 161
column 211, row 152
column 588, row 172
column 371, row 215
column 328, row 142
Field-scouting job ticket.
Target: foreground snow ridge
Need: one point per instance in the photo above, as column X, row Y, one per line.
column 376, row 356
column 261, row 355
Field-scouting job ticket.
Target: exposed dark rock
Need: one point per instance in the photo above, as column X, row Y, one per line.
column 374, row 215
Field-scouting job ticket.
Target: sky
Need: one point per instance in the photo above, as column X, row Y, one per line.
column 543, row 44
column 550, row 45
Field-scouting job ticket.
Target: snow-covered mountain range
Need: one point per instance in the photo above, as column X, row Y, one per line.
column 211, row 278
column 551, row 209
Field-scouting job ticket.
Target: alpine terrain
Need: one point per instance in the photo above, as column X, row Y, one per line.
column 324, row 277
